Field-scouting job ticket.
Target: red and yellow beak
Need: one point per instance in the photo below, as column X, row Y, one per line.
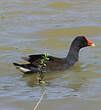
column 90, row 43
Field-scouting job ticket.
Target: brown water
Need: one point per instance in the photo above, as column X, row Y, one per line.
column 45, row 26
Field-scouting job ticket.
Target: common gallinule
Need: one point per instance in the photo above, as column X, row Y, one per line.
column 55, row 63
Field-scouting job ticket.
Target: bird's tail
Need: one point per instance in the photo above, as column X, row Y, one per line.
column 26, row 68
column 22, row 67
column 16, row 64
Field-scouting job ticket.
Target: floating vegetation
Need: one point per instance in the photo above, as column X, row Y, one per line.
column 42, row 67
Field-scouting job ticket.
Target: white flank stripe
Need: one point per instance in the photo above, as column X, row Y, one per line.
column 24, row 69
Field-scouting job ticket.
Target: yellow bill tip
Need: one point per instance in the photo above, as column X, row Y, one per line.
column 93, row 45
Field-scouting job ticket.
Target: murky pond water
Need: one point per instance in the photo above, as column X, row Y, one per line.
column 44, row 26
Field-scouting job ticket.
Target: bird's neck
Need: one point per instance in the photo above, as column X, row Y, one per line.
column 73, row 55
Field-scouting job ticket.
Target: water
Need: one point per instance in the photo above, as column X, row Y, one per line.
column 44, row 26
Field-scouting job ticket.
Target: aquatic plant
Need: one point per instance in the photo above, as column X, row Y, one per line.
column 41, row 71
column 39, row 100
column 42, row 67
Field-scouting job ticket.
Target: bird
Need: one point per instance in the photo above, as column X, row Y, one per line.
column 55, row 63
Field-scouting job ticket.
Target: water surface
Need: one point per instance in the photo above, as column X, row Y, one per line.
column 44, row 26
